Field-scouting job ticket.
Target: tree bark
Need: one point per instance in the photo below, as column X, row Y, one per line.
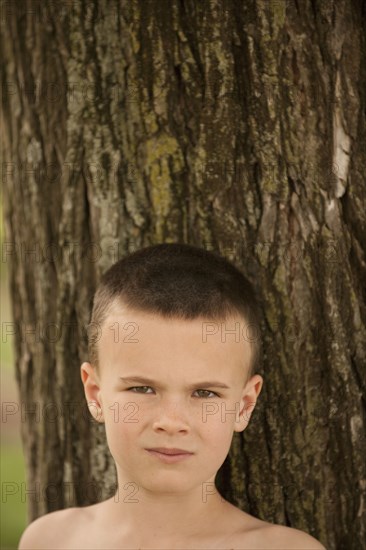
column 235, row 126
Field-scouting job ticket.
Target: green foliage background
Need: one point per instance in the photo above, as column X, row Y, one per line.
column 12, row 467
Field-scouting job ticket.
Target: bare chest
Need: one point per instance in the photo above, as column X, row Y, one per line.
column 100, row 539
column 89, row 532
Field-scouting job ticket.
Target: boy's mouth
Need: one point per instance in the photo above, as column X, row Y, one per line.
column 170, row 451
column 169, row 456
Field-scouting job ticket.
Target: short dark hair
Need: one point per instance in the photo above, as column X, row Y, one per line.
column 177, row 280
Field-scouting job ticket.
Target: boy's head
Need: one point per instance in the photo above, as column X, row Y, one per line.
column 185, row 322
column 179, row 281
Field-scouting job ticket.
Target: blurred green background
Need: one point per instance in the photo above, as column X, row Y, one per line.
column 13, row 512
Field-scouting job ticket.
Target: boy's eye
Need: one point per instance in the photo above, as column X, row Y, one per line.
column 142, row 387
column 208, row 391
column 138, row 388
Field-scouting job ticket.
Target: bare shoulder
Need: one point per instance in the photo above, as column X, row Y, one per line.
column 254, row 533
column 281, row 538
column 49, row 531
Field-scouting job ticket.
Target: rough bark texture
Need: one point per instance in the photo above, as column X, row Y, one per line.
column 236, row 126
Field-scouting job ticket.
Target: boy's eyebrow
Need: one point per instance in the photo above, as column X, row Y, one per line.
column 143, row 380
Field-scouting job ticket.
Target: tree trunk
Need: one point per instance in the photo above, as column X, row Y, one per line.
column 235, row 126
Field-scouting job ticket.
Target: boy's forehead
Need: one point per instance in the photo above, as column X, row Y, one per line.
column 223, row 330
column 133, row 334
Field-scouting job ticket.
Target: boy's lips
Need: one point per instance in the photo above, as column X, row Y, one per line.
column 171, row 451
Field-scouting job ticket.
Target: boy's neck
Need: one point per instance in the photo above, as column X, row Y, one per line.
column 147, row 517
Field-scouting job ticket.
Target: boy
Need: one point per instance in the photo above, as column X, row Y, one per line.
column 172, row 378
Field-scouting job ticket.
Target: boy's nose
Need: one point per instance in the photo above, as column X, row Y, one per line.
column 171, row 419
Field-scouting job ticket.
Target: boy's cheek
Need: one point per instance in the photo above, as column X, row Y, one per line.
column 223, row 412
column 209, row 415
column 122, row 413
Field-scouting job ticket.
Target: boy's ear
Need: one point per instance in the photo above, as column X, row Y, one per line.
column 92, row 391
column 249, row 399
